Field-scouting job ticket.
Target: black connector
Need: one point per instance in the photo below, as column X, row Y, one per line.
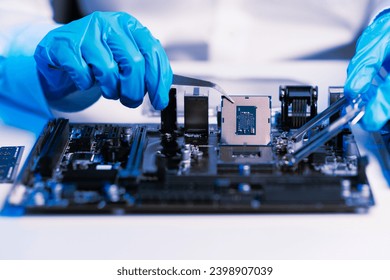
column 53, row 148
column 169, row 114
column 299, row 105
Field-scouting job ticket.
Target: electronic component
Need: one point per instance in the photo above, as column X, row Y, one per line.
column 299, row 105
column 9, row 162
column 303, row 131
column 236, row 166
column 196, row 116
column 335, row 94
column 247, row 121
column 169, row 114
column 53, row 148
column 354, row 112
column 255, row 159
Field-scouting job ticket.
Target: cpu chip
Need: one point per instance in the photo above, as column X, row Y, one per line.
column 247, row 121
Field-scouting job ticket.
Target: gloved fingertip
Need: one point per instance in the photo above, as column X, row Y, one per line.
column 130, row 103
column 109, row 93
column 160, row 98
column 160, row 104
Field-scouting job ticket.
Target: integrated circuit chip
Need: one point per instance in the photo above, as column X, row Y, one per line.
column 9, row 161
column 246, row 121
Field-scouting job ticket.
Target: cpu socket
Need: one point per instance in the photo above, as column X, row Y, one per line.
column 247, row 121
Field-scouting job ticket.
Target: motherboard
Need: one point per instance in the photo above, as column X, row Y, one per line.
column 253, row 159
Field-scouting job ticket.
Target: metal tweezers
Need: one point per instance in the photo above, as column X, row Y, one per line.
column 187, row 81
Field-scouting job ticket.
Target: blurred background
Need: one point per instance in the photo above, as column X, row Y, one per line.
column 247, row 46
column 241, row 30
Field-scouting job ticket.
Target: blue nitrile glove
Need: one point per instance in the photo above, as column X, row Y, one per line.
column 112, row 50
column 22, row 102
column 372, row 53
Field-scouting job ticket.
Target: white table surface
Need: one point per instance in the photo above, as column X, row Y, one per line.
column 271, row 236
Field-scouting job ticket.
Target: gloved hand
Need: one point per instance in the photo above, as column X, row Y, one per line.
column 372, row 53
column 110, row 49
column 22, row 102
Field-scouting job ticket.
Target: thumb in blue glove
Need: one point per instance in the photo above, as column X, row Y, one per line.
column 111, row 49
column 364, row 74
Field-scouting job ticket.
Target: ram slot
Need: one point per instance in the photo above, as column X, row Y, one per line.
column 53, row 148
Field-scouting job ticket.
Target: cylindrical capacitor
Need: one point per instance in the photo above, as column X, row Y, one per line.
column 186, row 155
column 350, row 146
column 126, row 136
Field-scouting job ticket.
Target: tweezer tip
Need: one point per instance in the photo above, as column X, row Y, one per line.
column 228, row 98
column 223, row 92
